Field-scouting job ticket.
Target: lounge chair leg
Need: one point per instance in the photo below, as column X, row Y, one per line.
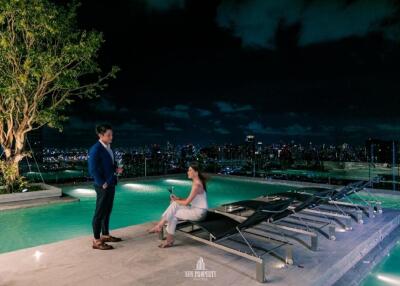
column 314, row 243
column 370, row 211
column 359, row 217
column 348, row 224
column 289, row 255
column 332, row 232
column 161, row 234
column 260, row 272
column 378, row 207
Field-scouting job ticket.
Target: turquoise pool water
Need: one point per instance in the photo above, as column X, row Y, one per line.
column 135, row 202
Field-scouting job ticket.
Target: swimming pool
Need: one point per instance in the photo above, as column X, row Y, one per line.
column 135, row 202
column 142, row 201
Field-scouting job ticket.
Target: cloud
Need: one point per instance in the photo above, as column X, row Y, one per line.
column 79, row 124
column 181, row 107
column 131, row 125
column 226, row 107
column 165, row 4
column 178, row 111
column 256, row 22
column 203, row 112
column 332, row 20
column 258, row 128
column 388, row 127
column 298, row 129
column 132, row 129
column 170, row 126
column 372, row 128
column 291, row 130
column 354, row 128
column 222, row 130
column 218, row 128
column 104, row 105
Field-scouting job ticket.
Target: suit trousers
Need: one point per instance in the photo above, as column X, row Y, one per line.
column 102, row 213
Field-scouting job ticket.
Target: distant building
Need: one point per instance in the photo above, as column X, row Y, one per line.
column 381, row 151
column 250, row 144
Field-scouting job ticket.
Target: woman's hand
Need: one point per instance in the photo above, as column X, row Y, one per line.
column 173, row 197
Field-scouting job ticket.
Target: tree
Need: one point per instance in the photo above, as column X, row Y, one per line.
column 46, row 63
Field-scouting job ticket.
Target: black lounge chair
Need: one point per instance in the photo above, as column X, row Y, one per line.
column 348, row 190
column 220, row 227
column 304, row 200
column 311, row 197
column 338, row 196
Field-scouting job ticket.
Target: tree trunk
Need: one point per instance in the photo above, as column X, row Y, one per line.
column 10, row 166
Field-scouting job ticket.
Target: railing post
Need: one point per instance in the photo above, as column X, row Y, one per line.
column 332, row 232
column 289, row 255
column 314, row 243
column 260, row 272
column 359, row 217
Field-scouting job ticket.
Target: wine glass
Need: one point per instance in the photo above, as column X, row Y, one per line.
column 120, row 165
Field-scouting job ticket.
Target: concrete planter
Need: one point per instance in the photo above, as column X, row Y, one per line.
column 46, row 192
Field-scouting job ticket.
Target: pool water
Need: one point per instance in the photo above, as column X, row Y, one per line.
column 135, row 202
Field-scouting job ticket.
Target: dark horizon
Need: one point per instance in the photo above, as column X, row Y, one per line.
column 215, row 71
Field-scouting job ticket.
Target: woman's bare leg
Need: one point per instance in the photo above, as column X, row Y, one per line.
column 169, row 241
column 158, row 227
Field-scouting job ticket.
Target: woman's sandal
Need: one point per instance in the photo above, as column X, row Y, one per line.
column 166, row 244
column 102, row 246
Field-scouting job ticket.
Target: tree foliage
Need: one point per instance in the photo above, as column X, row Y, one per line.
column 46, row 63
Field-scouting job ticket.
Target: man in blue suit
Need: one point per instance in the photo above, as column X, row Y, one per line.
column 103, row 169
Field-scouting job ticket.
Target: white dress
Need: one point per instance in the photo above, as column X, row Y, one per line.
column 196, row 211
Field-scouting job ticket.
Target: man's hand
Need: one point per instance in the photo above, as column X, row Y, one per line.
column 119, row 170
column 105, row 185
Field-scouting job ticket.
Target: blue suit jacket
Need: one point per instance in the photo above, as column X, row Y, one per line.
column 101, row 166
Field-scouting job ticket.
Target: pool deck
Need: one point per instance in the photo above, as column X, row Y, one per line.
column 138, row 261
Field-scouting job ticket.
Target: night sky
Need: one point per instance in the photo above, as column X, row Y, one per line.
column 208, row 71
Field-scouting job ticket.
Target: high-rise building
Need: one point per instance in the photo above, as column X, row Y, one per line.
column 381, row 151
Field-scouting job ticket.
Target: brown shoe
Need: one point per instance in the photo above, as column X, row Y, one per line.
column 110, row 239
column 102, row 246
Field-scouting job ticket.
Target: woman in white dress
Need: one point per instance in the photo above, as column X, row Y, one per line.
column 194, row 207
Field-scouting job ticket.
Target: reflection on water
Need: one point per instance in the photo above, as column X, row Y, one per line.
column 141, row 187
